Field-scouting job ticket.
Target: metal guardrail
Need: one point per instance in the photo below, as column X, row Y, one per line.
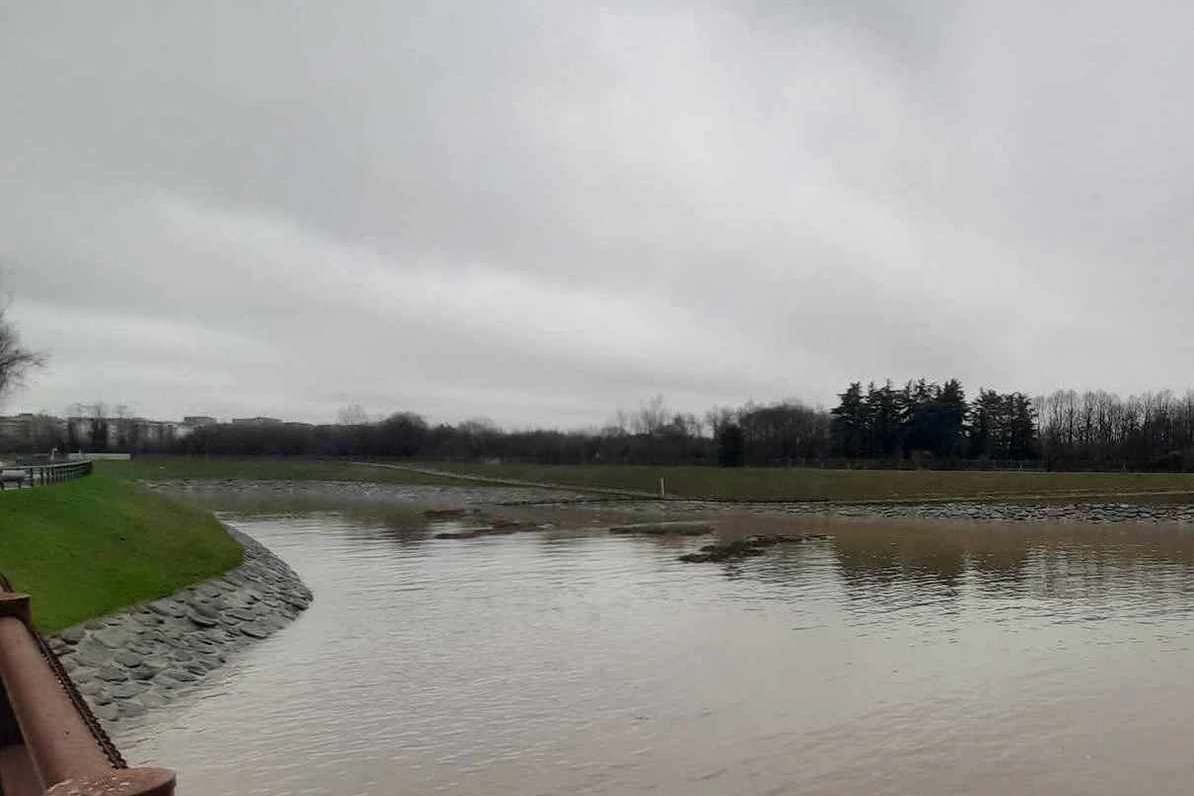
column 50, row 743
column 42, row 474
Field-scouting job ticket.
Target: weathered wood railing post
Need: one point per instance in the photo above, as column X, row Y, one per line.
column 50, row 744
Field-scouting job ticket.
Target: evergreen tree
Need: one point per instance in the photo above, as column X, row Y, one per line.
column 731, row 445
column 1022, row 434
column 949, row 419
column 890, row 417
column 849, row 425
column 986, row 424
column 919, row 398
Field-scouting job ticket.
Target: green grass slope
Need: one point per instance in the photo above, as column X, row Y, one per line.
column 777, row 483
column 91, row 546
column 256, row 468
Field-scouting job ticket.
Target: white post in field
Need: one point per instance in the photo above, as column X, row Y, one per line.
column 661, row 492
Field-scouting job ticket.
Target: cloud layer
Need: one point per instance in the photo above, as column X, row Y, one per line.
column 541, row 212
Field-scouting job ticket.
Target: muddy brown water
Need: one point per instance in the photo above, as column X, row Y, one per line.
column 894, row 658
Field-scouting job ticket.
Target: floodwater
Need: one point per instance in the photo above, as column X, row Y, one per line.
column 894, row 658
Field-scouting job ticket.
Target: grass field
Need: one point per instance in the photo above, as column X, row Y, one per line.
column 88, row 547
column 837, row 485
column 744, row 483
column 264, row 468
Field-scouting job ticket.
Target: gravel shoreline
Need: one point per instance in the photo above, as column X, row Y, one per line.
column 366, row 493
column 989, row 512
column 1096, row 510
column 1004, row 512
column 143, row 657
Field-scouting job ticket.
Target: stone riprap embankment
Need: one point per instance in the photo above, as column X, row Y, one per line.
column 993, row 512
column 339, row 494
column 1074, row 512
column 143, row 657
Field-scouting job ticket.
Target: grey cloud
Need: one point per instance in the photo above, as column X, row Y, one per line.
column 541, row 212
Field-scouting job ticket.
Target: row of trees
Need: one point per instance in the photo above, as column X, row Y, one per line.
column 919, row 424
column 926, row 420
column 784, row 433
column 922, row 423
column 1100, row 430
column 1066, row 430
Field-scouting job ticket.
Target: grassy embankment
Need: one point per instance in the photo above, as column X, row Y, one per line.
column 257, row 468
column 840, row 485
column 88, row 547
column 744, row 483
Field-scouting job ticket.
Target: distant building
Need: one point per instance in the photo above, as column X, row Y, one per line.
column 29, row 430
column 121, row 433
column 33, row 433
column 192, row 422
column 137, row 432
column 15, row 426
column 78, row 429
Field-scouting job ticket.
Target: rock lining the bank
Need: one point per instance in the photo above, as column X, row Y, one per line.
column 145, row 656
column 1012, row 512
column 365, row 493
column 1007, row 512
column 1100, row 509
column 1083, row 512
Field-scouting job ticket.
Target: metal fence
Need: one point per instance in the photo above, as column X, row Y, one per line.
column 50, row 742
column 41, row 474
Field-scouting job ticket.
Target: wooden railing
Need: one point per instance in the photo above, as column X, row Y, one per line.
column 50, row 743
column 42, row 474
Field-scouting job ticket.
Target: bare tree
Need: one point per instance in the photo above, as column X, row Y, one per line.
column 15, row 360
column 94, row 425
column 621, row 423
column 651, row 416
column 352, row 415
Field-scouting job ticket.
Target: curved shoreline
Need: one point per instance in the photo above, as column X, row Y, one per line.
column 1084, row 509
column 147, row 655
column 144, row 656
column 1079, row 512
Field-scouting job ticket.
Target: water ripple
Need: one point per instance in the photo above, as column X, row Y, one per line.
column 889, row 659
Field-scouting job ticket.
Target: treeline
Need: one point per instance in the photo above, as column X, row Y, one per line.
column 928, row 424
column 1099, row 430
column 933, row 424
column 920, row 424
column 782, row 433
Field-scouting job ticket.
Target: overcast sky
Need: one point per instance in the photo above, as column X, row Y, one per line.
column 539, row 212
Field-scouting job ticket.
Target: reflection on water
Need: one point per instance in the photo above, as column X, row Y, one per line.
column 893, row 658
